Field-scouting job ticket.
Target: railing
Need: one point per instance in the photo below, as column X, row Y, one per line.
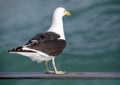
column 68, row 75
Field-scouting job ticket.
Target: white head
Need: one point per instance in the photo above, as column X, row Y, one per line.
column 57, row 22
column 60, row 12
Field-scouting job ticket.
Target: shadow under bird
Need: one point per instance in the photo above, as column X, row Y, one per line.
column 45, row 46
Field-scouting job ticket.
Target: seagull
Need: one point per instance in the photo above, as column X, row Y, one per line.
column 46, row 46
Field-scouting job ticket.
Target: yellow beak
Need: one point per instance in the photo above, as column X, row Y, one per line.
column 67, row 13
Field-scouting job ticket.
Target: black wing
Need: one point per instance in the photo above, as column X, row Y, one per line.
column 48, row 43
column 41, row 37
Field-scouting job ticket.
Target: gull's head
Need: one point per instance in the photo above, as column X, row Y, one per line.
column 60, row 11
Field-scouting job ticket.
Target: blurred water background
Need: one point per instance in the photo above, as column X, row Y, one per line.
column 92, row 33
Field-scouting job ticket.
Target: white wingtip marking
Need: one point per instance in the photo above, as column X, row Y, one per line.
column 39, row 52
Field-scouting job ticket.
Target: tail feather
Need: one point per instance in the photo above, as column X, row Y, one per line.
column 19, row 49
column 16, row 49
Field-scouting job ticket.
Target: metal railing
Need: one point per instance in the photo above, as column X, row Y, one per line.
column 68, row 75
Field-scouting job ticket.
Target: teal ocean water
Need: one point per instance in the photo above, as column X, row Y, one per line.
column 92, row 34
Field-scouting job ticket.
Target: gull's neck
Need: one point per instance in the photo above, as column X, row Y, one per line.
column 57, row 26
